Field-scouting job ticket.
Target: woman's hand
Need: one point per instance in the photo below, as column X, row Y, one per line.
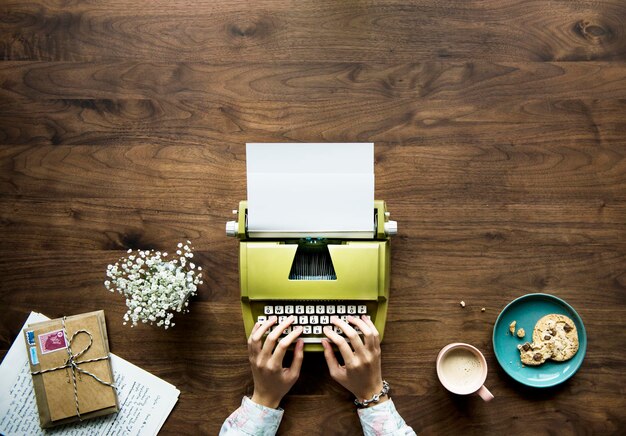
column 271, row 380
column 361, row 372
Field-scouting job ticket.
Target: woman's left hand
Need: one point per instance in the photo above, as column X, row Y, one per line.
column 271, row 380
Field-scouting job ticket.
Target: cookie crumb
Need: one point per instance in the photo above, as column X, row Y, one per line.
column 482, row 309
column 512, row 327
column 462, row 303
column 521, row 333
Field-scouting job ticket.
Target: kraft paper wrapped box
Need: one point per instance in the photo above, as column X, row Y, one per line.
column 72, row 376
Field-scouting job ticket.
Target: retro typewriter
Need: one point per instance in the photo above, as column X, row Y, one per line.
column 314, row 275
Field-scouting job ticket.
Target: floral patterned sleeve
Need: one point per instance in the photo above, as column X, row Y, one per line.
column 252, row 419
column 383, row 419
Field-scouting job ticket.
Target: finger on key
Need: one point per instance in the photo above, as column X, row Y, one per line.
column 284, row 343
column 270, row 342
column 372, row 327
column 258, row 332
column 255, row 327
column 367, row 332
column 340, row 342
column 355, row 340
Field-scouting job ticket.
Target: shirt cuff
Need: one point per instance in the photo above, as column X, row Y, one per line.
column 382, row 419
column 254, row 419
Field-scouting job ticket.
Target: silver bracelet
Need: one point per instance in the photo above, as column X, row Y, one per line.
column 375, row 398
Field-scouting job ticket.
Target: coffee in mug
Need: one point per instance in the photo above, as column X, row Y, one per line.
column 462, row 369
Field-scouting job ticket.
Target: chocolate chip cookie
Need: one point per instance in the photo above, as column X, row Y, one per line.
column 559, row 331
column 554, row 337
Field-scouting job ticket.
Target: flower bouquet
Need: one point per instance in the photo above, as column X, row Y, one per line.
column 155, row 286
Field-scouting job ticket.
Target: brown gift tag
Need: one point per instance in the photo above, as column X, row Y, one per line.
column 54, row 390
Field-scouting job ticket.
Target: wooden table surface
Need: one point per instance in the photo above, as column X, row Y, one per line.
column 500, row 132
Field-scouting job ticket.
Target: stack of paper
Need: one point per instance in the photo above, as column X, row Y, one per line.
column 317, row 190
column 145, row 400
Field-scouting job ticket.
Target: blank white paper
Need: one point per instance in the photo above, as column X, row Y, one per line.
column 313, row 189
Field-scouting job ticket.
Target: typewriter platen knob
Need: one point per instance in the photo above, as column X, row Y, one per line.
column 391, row 228
column 231, row 228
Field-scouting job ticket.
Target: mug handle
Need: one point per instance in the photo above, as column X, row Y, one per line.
column 484, row 393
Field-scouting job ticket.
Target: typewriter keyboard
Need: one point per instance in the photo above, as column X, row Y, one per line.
column 313, row 316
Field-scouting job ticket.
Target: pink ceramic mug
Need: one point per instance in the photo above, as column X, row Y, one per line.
column 462, row 369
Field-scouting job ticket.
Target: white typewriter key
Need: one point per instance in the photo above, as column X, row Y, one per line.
column 314, row 319
column 303, row 320
column 351, row 310
column 262, row 318
column 341, row 309
column 344, row 318
column 319, row 309
column 287, row 331
column 330, row 310
column 289, row 310
column 269, row 310
column 299, row 310
column 324, row 319
column 337, row 330
column 310, row 310
column 281, row 319
column 362, row 308
column 306, row 330
column 317, row 330
column 278, row 310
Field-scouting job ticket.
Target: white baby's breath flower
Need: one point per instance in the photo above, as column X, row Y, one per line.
column 153, row 287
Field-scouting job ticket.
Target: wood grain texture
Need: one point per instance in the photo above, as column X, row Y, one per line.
column 319, row 31
column 500, row 131
column 292, row 81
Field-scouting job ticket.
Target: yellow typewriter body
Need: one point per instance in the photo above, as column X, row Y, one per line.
column 361, row 271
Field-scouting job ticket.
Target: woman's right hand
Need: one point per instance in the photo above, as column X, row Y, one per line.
column 361, row 372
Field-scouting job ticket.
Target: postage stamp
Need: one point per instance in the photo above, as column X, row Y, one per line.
column 30, row 335
column 52, row 341
column 33, row 356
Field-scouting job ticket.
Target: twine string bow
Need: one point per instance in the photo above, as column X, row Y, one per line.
column 73, row 363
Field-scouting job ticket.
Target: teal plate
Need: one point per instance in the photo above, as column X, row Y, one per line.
column 527, row 310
